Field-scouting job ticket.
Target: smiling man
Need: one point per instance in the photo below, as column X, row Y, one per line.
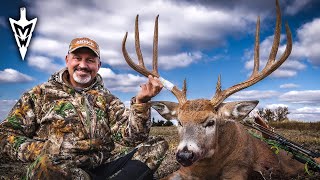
column 72, row 127
column 83, row 63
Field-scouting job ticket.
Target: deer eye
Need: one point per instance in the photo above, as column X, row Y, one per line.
column 179, row 123
column 210, row 123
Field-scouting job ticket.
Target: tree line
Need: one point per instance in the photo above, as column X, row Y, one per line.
column 274, row 115
column 161, row 123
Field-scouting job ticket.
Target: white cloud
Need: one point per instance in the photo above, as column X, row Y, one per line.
column 254, row 95
column 13, row 76
column 280, row 73
column 308, row 110
column 308, row 43
column 121, row 82
column 180, row 24
column 44, row 64
column 289, row 85
column 156, row 115
column 50, row 47
column 5, row 107
column 171, row 61
column 275, row 106
column 288, row 69
column 304, row 117
column 179, row 60
column 296, row 6
column 193, row 26
column 127, row 104
column 307, row 113
column 293, row 64
column 302, row 97
column 106, row 73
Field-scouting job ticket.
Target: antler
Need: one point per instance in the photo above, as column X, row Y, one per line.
column 271, row 65
column 180, row 94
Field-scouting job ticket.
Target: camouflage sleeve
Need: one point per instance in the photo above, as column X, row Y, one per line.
column 18, row 128
column 129, row 127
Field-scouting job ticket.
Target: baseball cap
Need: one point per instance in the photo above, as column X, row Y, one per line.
column 84, row 42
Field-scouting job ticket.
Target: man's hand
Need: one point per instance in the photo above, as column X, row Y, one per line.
column 149, row 90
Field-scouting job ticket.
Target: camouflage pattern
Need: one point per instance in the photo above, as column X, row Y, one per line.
column 58, row 128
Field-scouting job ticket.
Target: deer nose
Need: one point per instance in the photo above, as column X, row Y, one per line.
column 185, row 157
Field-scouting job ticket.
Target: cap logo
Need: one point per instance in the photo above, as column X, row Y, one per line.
column 85, row 42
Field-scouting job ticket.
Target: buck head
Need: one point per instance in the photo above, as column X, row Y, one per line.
column 199, row 123
column 200, row 119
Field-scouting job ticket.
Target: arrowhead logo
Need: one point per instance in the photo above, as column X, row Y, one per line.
column 22, row 30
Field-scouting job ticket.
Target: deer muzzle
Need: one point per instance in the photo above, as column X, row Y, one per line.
column 185, row 157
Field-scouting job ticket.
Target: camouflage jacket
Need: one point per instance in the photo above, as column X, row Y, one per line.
column 79, row 125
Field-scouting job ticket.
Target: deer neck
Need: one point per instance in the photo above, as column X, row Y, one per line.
column 229, row 139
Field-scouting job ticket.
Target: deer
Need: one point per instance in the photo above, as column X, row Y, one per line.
column 213, row 143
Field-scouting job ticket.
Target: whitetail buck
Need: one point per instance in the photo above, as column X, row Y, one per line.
column 213, row 144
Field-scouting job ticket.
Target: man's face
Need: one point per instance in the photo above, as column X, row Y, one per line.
column 83, row 66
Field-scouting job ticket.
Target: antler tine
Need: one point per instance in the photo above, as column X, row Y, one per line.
column 276, row 39
column 155, row 47
column 184, row 88
column 256, row 50
column 270, row 67
column 180, row 94
column 137, row 42
column 139, row 68
column 218, row 91
column 218, row 87
column 267, row 71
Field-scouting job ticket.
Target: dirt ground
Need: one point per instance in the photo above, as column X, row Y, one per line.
column 309, row 139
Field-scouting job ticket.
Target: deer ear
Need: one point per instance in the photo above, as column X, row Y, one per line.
column 237, row 110
column 166, row 109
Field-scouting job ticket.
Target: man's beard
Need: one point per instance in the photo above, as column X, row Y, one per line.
column 80, row 79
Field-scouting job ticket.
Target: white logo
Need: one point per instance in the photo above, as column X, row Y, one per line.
column 22, row 30
column 85, row 42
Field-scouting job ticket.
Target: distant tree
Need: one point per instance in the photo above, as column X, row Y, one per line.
column 157, row 122
column 281, row 113
column 278, row 114
column 268, row 115
column 160, row 123
column 153, row 120
column 168, row 123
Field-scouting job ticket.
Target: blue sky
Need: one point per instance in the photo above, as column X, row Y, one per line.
column 198, row 40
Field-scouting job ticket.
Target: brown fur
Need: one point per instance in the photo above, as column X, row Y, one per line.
column 198, row 109
column 240, row 156
column 230, row 152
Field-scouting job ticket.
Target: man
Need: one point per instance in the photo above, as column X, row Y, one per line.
column 71, row 126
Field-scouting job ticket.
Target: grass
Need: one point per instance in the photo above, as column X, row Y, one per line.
column 297, row 125
column 169, row 133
